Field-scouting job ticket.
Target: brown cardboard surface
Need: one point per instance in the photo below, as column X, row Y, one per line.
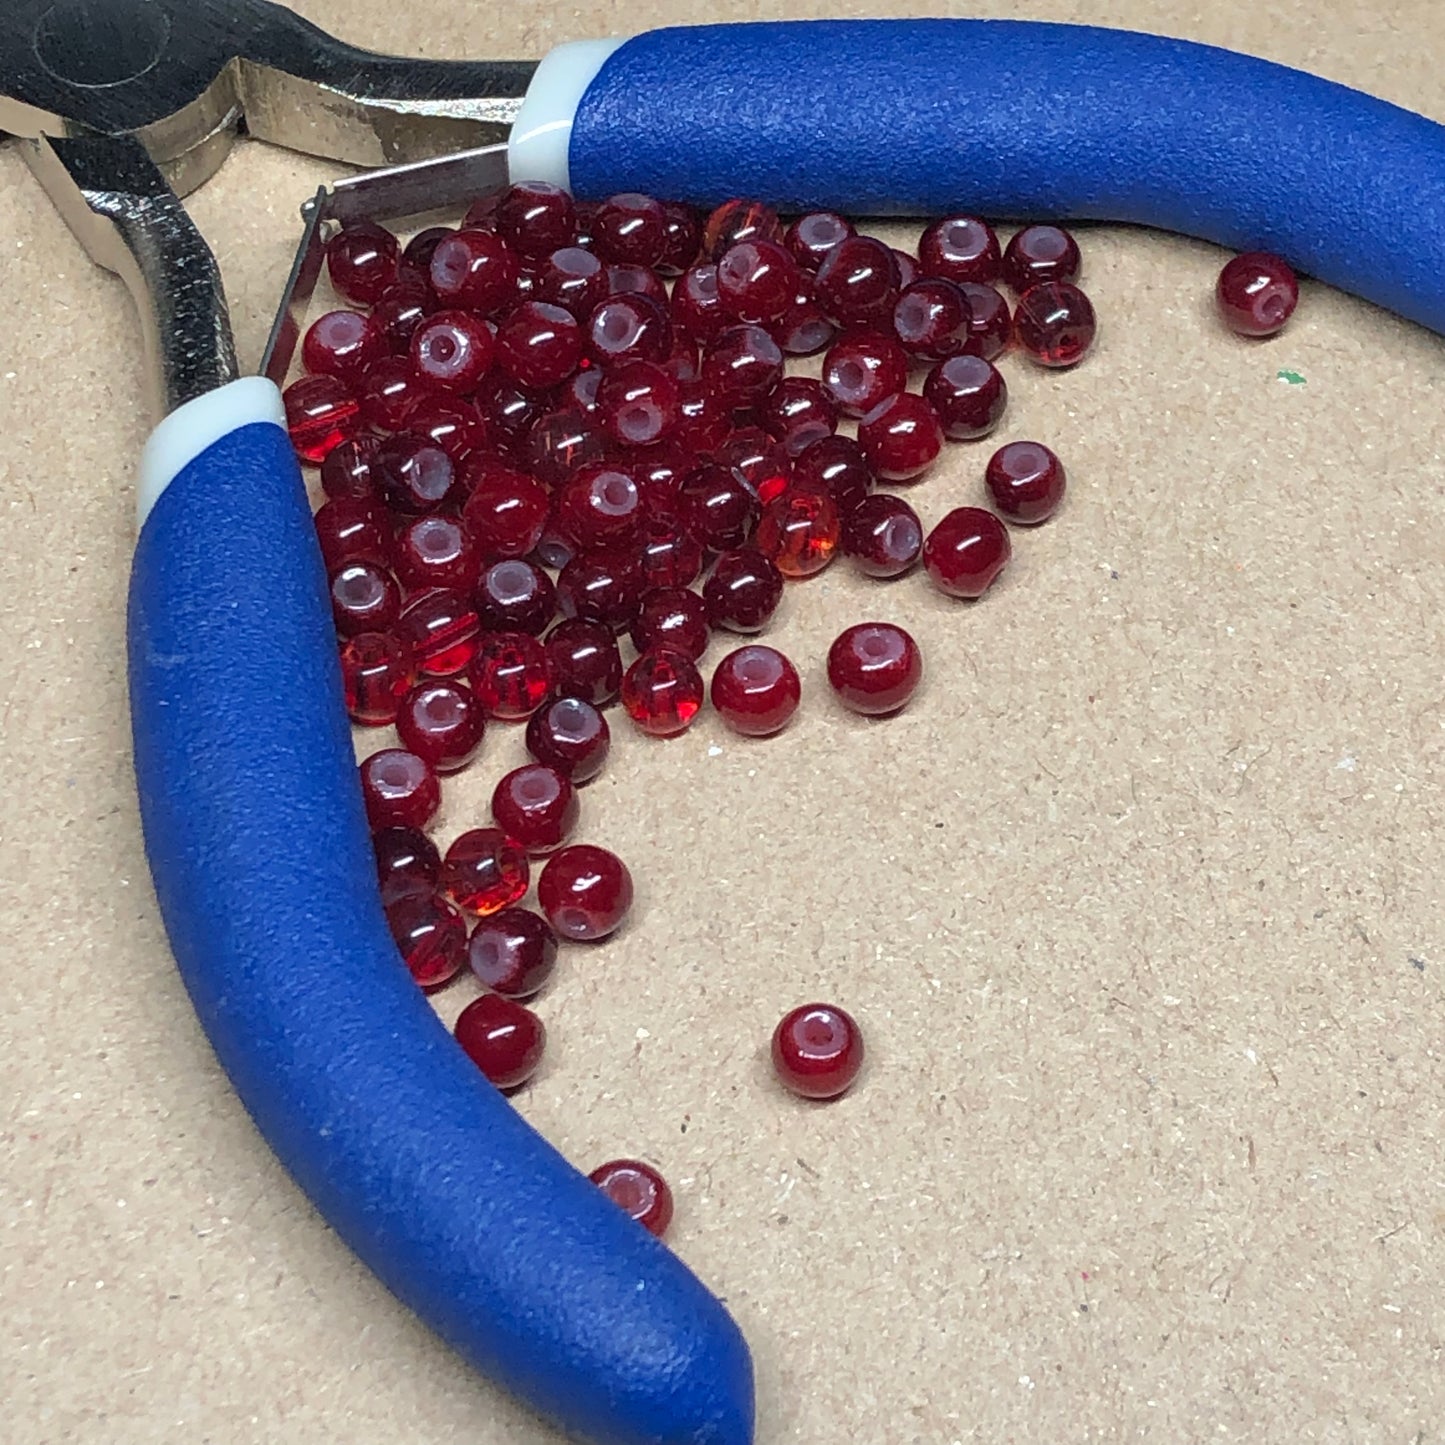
column 1138, row 903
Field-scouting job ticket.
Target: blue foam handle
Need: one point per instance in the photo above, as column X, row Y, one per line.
column 1017, row 119
column 264, row 871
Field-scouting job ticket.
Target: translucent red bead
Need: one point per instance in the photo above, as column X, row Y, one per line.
column 1026, row 481
column 321, row 413
column 570, row 735
column 513, row 953
column 585, row 891
column 476, row 270
column 1256, row 294
column 883, row 536
column 799, row 531
column 858, row 282
column 441, row 629
column 377, row 671
column 756, row 690
column 662, row 692
column 960, row 248
column 539, row 345
column 874, row 668
column 442, row 723
column 362, row 260
column 1054, row 322
column 863, row 369
column 640, row 403
column 743, row 591
column 901, row 438
column 966, row 551
column 431, row 937
column 399, row 789
column 451, row 351
column 638, row 1190
column 536, row 806
column 435, row 551
column 1040, row 253
column 503, row 1038
column 817, row 1051
column 673, row 617
column 484, row 871
column 364, row 598
column 968, row 396
column 584, row 662
column 515, row 595
column 407, row 864
column 510, row 674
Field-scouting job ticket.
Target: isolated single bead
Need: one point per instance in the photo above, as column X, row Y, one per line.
column 1054, row 323
column 755, row 690
column 513, row 952
column 442, row 723
column 883, row 536
column 960, row 248
column 817, row 1051
column 901, row 438
column 874, row 668
column 799, row 531
column 743, row 591
column 638, row 1190
column 584, row 661
column 585, row 892
column 968, row 396
column 966, row 551
column 1256, row 293
column 400, row 789
column 1040, row 253
column 484, row 871
column 663, row 692
column 503, row 1038
column 510, row 674
column 431, row 937
column 1026, row 481
column 571, row 735
column 407, row 864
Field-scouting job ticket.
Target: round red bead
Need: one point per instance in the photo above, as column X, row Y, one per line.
column 400, row 789
column 662, row 692
column 389, row 390
column 901, row 438
column 799, row 531
column 539, row 345
column 639, row 402
column 739, row 219
column 1054, row 322
column 603, row 587
column 960, row 248
column 966, row 551
column 717, row 506
column 742, row 366
column 684, row 238
column 638, row 1190
column 352, row 529
column 883, row 536
column 1040, row 253
column 743, row 592
column 761, row 462
column 570, row 735
column 756, row 690
column 476, row 270
column 448, row 422
column 584, row 661
column 364, row 598
column 629, row 327
column 863, row 369
column 968, row 396
column 875, row 668
column 817, row 1051
column 804, row 328
column 1026, row 481
column 503, row 1038
column 573, row 279
column 441, row 629
column 341, row 344
column 362, row 259
column 811, row 237
column 484, row 871
column 585, row 892
column 407, row 864
column 799, row 412
column 756, row 281
column 376, row 672
column 510, row 674
column 513, row 952
column 990, row 327
column 932, row 319
column 442, row 723
column 697, row 309
column 436, row 551
column 631, row 228
column 668, row 554
column 415, row 476
column 836, row 465
column 347, row 471
column 451, row 351
column 321, row 413
column 536, row 806
column 857, row 283
column 397, row 315
column 536, row 218
column 515, row 595
column 1257, row 293
column 505, row 510
column 673, row 617
column 431, row 937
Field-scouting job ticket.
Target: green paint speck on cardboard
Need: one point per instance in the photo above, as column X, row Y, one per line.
column 1292, row 377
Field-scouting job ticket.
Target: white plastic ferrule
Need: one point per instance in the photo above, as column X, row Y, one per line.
column 542, row 133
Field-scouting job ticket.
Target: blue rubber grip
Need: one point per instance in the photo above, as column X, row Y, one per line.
column 267, row 884
column 1014, row 119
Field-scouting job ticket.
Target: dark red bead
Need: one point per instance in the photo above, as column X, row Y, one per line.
column 451, row 351
column 697, row 309
column 863, row 369
column 836, row 465
column 503, row 1038
column 352, row 529
column 659, row 471
column 431, row 937
column 484, row 871
column 684, row 365
column 1256, row 294
column 400, row 311
column 442, row 722
column 579, row 392
column 364, row 598
column 539, row 345
column 817, row 1051
column 417, row 253
column 668, row 555
column 571, row 735
column 990, row 327
column 362, row 260
column 321, row 413
column 742, row 366
column 804, row 328
column 718, row 507
column 476, row 270
column 400, row 789
column 1054, row 323
column 743, row 592
column 672, row 617
column 966, row 551
column 858, row 282
column 505, row 510
column 811, row 237
column 960, row 248
column 761, row 462
column 586, row 219
column 390, row 389
column 883, row 536
column 508, row 411
column 481, row 215
column 513, row 953
column 584, row 662
column 932, row 319
column 348, row 471
column 908, row 271
column 756, row 690
column 737, row 220
column 757, row 281
column 341, row 344
column 376, row 672
column 536, row 218
column 585, row 892
column 636, row 281
column 436, row 551
column 536, row 806
column 573, row 279
column 561, row 443
column 968, row 396
column 515, row 595
column 628, row 328
column 630, row 228
column 415, row 476
column 448, row 422
column 799, row 531
column 684, row 238
column 874, row 668
column 638, row 1190
column 510, row 674
column 639, row 403
column 705, row 421
column 799, row 412
column 1040, row 253
column 1026, row 481
column 407, row 864
column 441, row 629
column 662, row 692
column 603, row 587
column 901, row 438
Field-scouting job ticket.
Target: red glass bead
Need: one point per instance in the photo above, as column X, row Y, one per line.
column 397, row 315
column 435, row 551
column 451, row 351
column 400, row 790
column 341, row 344
column 756, row 690
column 510, row 674
column 503, row 1038
column 874, row 668
column 636, row 281
column 603, row 587
column 901, row 438
column 799, row 412
column 362, row 259
column 481, row 215
column 684, row 365
column 662, row 692
column 441, row 629
column 742, row 366
column 639, row 403
column 858, row 282
column 585, row 892
column 407, row 864
column 908, row 271
column 536, row 218
column 1040, row 253
column 556, row 549
column 804, row 328
column 628, row 328
column 584, row 662
column 539, row 345
column 968, row 396
column 442, row 723
column 1026, row 481
column 390, row 389
column 570, row 735
column 515, row 595
column 364, row 598
column 837, row 466
column 638, row 1190
column 743, row 592
column 376, row 673
column 579, row 393
column 705, row 419
column 931, row 319
column 417, row 253
column 817, row 1051
column 684, row 238
column 484, row 871
column 562, row 442
column 799, row 531
column 697, row 309
column 960, row 248
column 883, row 536
column 505, row 510
column 863, row 369
column 672, row 617
column 536, row 806
column 476, row 270
column 415, row 476
column 352, row 529
column 448, row 422
column 1054, row 322
column 347, row 471
column 573, row 279
column 321, row 413
column 718, row 507
column 513, row 952
column 761, row 462
column 990, row 327
column 966, row 551
column 509, row 412
column 757, row 281
column 739, row 220
column 630, row 228
column 667, row 554
column 811, row 237
column 432, row 938
column 1256, row 293
column 659, row 471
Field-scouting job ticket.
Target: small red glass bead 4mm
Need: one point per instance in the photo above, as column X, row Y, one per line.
column 585, row 892
column 513, row 952
column 1256, row 294
column 503, row 1038
column 638, row 1190
column 1026, row 481
column 1054, row 323
column 484, row 871
column 875, row 668
column 536, row 806
column 756, row 690
column 817, row 1051
column 966, row 551
column 662, row 692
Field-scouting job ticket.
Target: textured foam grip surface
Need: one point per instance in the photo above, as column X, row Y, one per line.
column 263, row 867
column 1016, row 119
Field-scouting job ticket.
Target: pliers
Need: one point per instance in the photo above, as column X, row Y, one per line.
column 252, row 815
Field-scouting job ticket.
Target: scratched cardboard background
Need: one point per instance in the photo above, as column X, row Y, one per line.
column 1139, row 904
